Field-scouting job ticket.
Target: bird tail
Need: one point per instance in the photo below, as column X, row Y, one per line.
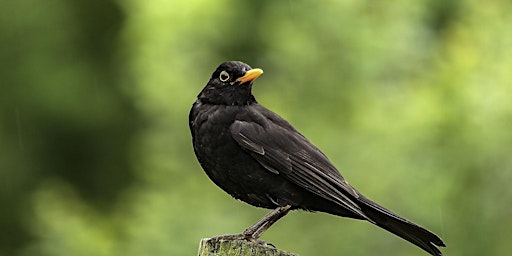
column 401, row 227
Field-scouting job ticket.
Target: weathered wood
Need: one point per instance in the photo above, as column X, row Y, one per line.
column 214, row 247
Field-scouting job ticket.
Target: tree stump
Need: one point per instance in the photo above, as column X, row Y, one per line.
column 214, row 247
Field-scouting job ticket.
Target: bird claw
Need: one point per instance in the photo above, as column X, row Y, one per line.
column 242, row 236
column 260, row 242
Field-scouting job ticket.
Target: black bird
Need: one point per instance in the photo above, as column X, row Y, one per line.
column 258, row 157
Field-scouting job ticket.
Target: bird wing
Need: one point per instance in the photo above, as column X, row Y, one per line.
column 280, row 149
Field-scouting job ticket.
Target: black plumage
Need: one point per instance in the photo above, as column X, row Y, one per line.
column 258, row 157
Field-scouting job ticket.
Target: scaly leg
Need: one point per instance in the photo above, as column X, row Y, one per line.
column 254, row 232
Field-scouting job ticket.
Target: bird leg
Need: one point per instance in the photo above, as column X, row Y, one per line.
column 254, row 232
column 268, row 220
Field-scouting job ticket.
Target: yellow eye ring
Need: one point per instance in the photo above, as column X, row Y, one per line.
column 224, row 76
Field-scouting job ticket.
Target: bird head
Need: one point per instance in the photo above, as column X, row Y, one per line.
column 230, row 84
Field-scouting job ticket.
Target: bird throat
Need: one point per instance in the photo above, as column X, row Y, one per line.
column 227, row 97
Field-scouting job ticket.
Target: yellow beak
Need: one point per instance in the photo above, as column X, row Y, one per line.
column 250, row 76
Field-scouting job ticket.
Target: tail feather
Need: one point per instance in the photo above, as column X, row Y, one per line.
column 401, row 227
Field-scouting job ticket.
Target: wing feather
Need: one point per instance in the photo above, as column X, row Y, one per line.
column 288, row 153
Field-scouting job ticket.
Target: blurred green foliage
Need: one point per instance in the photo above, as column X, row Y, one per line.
column 410, row 99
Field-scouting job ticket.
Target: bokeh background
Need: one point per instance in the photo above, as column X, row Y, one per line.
column 410, row 99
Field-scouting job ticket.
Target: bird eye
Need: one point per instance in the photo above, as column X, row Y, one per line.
column 224, row 76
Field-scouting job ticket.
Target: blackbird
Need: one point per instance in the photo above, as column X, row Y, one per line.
column 256, row 156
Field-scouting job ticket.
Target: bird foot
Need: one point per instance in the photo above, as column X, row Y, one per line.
column 242, row 236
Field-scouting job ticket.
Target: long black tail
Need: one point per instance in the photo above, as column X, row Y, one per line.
column 401, row 227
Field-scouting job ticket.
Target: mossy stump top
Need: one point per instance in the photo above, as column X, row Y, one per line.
column 214, row 247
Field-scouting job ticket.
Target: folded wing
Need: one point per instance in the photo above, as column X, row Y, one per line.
column 286, row 152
